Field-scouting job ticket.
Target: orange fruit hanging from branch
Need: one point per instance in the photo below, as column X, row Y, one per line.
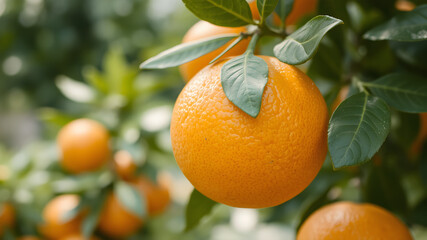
column 242, row 161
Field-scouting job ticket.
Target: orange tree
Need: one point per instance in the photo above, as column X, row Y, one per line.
column 250, row 129
column 224, row 133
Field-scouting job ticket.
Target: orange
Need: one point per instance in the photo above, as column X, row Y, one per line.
column 203, row 30
column 157, row 197
column 7, row 216
column 248, row 162
column 84, row 144
column 422, row 136
column 77, row 237
column 124, row 165
column 350, row 221
column 403, row 5
column 300, row 9
column 116, row 220
column 53, row 226
column 342, row 95
column 28, row 238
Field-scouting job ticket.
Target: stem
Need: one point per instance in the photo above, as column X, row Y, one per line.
column 253, row 42
column 360, row 85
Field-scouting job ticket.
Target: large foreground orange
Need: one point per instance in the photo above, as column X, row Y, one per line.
column 250, row 162
column 203, row 30
column 350, row 221
column 84, row 145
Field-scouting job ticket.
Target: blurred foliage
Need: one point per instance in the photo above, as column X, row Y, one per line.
column 61, row 60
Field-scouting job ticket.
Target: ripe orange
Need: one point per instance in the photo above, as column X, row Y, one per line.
column 53, row 226
column 157, row 197
column 422, row 136
column 124, row 165
column 248, row 162
column 350, row 221
column 203, row 30
column 300, row 9
column 116, row 220
column 403, row 5
column 77, row 237
column 7, row 216
column 84, row 144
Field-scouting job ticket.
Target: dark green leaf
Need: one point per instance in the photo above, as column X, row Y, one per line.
column 284, row 8
column 243, row 79
column 90, row 222
column 265, row 8
column 301, row 45
column 198, row 206
column 186, row 52
column 357, row 129
column 227, row 13
column 382, row 187
column 406, row 92
column 408, row 26
column 130, row 198
column 234, row 43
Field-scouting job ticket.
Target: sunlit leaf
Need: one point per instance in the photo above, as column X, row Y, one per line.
column 198, row 206
column 74, row 90
column 186, row 52
column 243, row 79
column 408, row 26
column 301, row 45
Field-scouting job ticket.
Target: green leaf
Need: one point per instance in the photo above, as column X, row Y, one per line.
column 90, row 222
column 265, row 8
column 74, row 90
column 227, row 13
column 357, row 129
column 284, row 8
column 198, row 206
column 186, row 52
column 408, row 26
column 301, row 45
column 130, row 198
column 404, row 91
column 243, row 79
column 234, row 43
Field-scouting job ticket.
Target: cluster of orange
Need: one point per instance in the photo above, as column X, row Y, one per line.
column 85, row 147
